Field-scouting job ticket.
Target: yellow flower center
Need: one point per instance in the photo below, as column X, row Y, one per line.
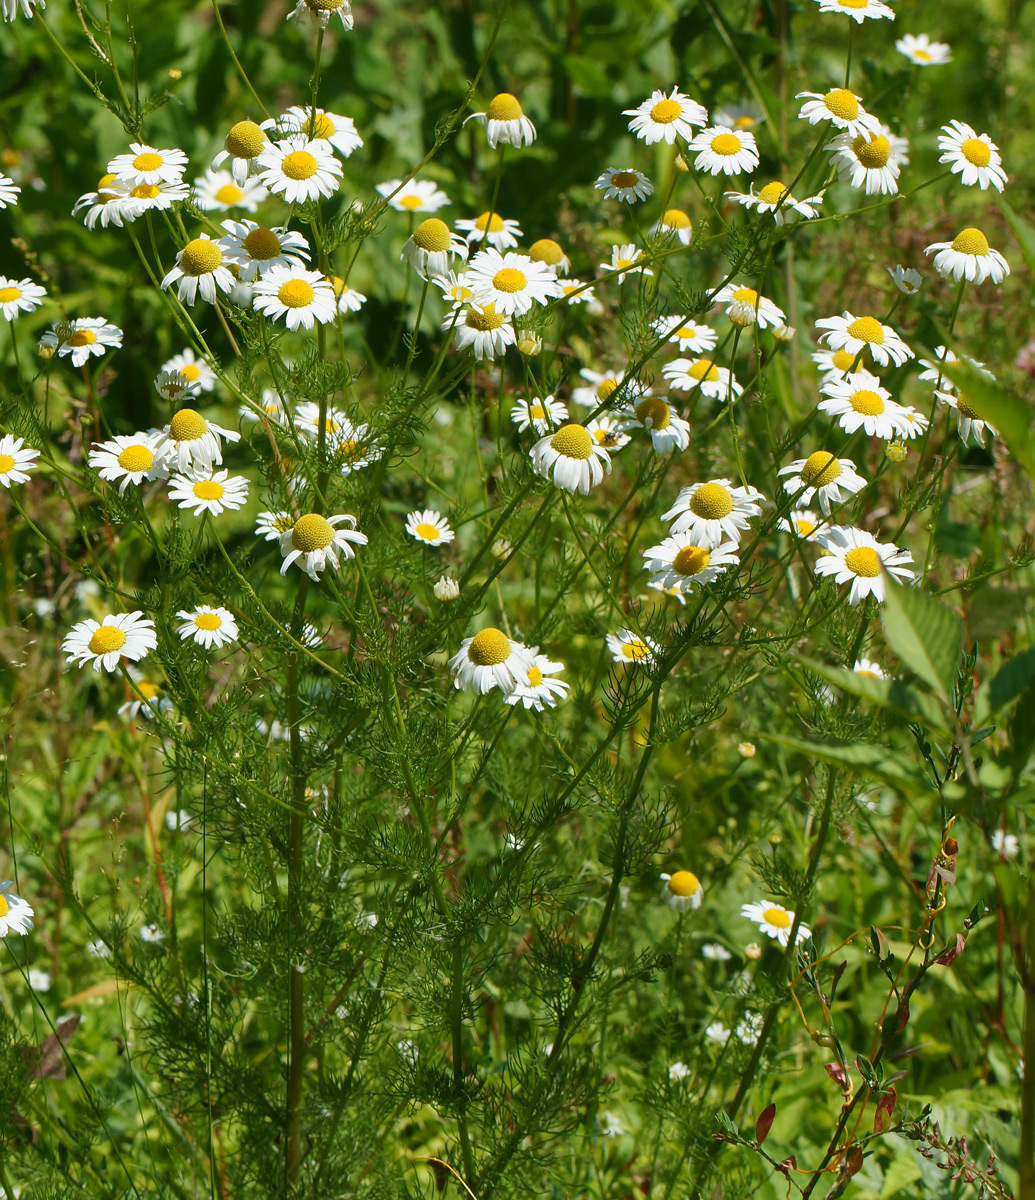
column 324, row 5
column 537, row 411
column 873, row 152
column 147, row 162
column 691, row 560
column 245, row 140
column 842, row 103
column 863, row 560
column 704, row 370
column 427, row 531
column 296, row 293
column 229, row 194
column 509, row 280
column 105, row 181
column 777, row 917
column 535, row 677
column 744, row 122
column 504, row 107
column 106, row 639
column 190, row 372
column 299, row 164
column 853, row 3
column 200, row 257
column 324, row 125
column 606, row 388
column 546, row 250
column 683, row 883
column 83, row 337
column 148, row 690
column 711, row 501
column 805, row 527
column 675, row 218
column 774, row 192
column 311, row 532
column 491, row 221
column 432, row 235
column 867, row 329
column 261, row 244
column 967, row 409
column 924, row 55
column 8, row 294
column 136, row 458
column 486, row 320
column 841, row 359
column 144, row 191
column 573, row 441
column 636, row 649
column 208, row 489
column 208, row 621
column 974, row 150
column 820, row 469
column 866, row 402
column 624, row 179
column 412, row 201
column 6, row 463
column 746, row 295
column 666, row 111
column 187, row 426
column 970, row 241
column 726, row 144
column 489, row 647
column 654, row 410
column 624, row 262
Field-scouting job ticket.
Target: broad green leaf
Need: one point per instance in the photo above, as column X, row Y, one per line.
column 892, row 694
column 874, row 760
column 1010, row 680
column 1011, row 415
column 927, row 636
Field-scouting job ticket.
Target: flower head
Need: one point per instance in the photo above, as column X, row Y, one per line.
column 830, row 480
column 255, row 249
column 498, row 231
column 81, row 338
column 16, row 460
column 774, row 921
column 682, row 890
column 721, row 150
column 856, row 557
column 208, row 626
column 301, row 297
column 922, row 52
column 866, row 160
column 429, row 528
column 737, row 297
column 18, row 296
column 319, row 12
column 632, row 649
column 418, row 195
column 571, row 458
column 323, row 126
column 681, row 561
column 218, row 191
column 859, row 402
column 775, row 198
column 431, row 245
column 974, row 157
column 842, row 108
column 623, row 183
column 856, row 334
column 490, row 660
column 535, row 689
column 299, row 169
column 146, row 164
column 858, row 10
column 709, row 512
column 194, row 370
column 686, row 334
column 316, row 542
column 969, row 256
column 663, row 118
column 505, row 122
column 103, row 644
column 540, row 415
column 15, row 913
column 242, row 146
column 512, row 283
column 192, row 441
column 701, row 374
column 482, row 330
column 128, row 459
column 200, row 267
column 208, row 491
column 668, row 431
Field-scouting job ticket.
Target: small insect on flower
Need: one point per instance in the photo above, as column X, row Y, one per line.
column 18, row 296
column 81, row 338
column 104, row 644
column 16, row 460
column 498, row 231
column 625, row 184
column 505, row 122
column 128, row 458
column 629, row 648
column 774, row 921
column 571, row 458
column 922, row 52
column 709, row 512
column 209, row 491
column 208, row 626
column 535, row 689
column 314, row 540
column 490, row 660
column 663, row 118
column 969, row 256
column 842, row 108
column 724, row 151
column 200, row 267
column 418, row 195
column 830, row 480
column 608, row 432
column 15, row 913
column 429, row 528
column 682, row 890
column 856, row 557
column 189, row 440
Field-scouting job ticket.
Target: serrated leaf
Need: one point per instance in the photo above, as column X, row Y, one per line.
column 892, row 694
column 874, row 760
column 927, row 636
column 1010, row 415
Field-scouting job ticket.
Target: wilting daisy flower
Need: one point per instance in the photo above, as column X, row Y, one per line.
column 628, row 647
column 418, row 195
column 129, row 458
column 627, row 260
column 859, row 401
column 856, row 557
column 242, row 146
column 429, row 528
column 774, row 920
column 271, row 526
column 735, row 296
column 972, row 156
column 446, row 589
column 490, row 660
column 254, row 249
column 505, row 122
column 348, row 299
column 802, row 523
column 145, row 164
column 315, row 540
column 540, row 415
column 623, row 183
column 605, row 385
column 571, row 458
column 319, row 12
column 18, row 296
column 668, row 431
column 905, row 279
column 679, row 561
column 864, row 666
column 119, row 635
column 110, row 204
column 709, row 512
column 674, row 223
column 866, row 161
column 299, row 169
column 550, row 254
column 482, row 330
column 682, row 890
column 15, row 913
column 301, row 297
column 775, row 198
column 577, row 292
column 858, row 10
column 172, row 386
column 535, row 689
column 969, row 422
column 608, row 432
column 200, row 266
column 854, row 334
column 430, row 247
column 9, row 190
column 969, row 256
column 498, row 231
column 919, row 49
column 687, row 334
column 16, row 459
column 512, row 283
column 81, row 338
column 208, row 626
column 192, row 441
column 209, row 491
column 219, row 191
column 327, row 127
column 842, row 108
column 724, row 151
column 688, row 375
column 193, row 369
column 663, row 117
column 830, row 480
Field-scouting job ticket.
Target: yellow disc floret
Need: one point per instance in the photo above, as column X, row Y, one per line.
column 546, row 250
column 778, row 917
column 691, row 560
column 654, row 410
column 106, row 639
column 261, row 244
column 229, row 194
column 820, row 469
column 7, row 294
column 842, row 103
column 976, row 152
column 636, row 649
column 624, row 179
column 147, row 162
column 509, row 280
column 573, row 441
column 665, row 111
column 867, row 329
column 504, row 107
column 726, row 144
column 245, row 140
column 873, row 152
column 299, row 164
column 489, row 648
column 491, row 221
column 683, row 883
column 704, row 371
column 208, row 489
column 863, row 560
column 296, row 293
column 774, row 192
column 866, row 402
column 427, row 531
column 842, row 360
column 311, row 532
column 187, row 426
column 6, row 463
column 208, row 621
column 606, row 388
column 200, row 257
column 535, row 677
column 675, row 218
column 83, row 337
column 970, row 241
column 486, row 320
column 711, row 501
column 432, row 235
column 136, row 458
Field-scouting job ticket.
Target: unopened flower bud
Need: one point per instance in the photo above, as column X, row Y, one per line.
column 447, row 590
column 530, row 344
column 746, row 750
column 501, row 548
column 742, row 313
column 753, row 951
column 896, row 451
column 784, row 333
column 174, row 73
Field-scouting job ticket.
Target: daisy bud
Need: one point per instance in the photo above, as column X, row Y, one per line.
column 530, row 344
column 746, row 750
column 896, row 452
column 447, row 590
column 501, row 548
column 174, row 73
column 742, row 314
column 753, row 951
column 46, row 351
column 784, row 333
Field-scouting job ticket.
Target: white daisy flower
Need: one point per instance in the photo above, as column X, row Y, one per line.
column 969, row 256
column 775, row 198
column 608, row 432
column 455, row 287
column 715, row 952
column 147, row 197
column 9, row 190
column 833, row 364
column 629, row 648
column 687, row 334
column 301, row 297
column 15, row 913
column 859, row 402
column 348, row 299
column 190, row 441
column 496, row 230
column 254, row 249
column 969, row 423
column 855, row 334
column 709, row 512
column 103, row 644
column 735, row 295
column 81, row 338
column 146, row 164
column 682, row 891
column 933, row 370
column 717, row 1032
column 921, row 51
column 299, row 169
column 243, row 145
column 803, row 523
column 505, row 122
column 866, row 161
column 905, row 279
column 678, row 1070
column 208, row 626
column 490, row 660
column 830, row 480
column 571, row 458
column 688, row 375
column 550, row 254
column 721, row 150
column 128, row 458
column 535, row 689
column 679, row 561
column 418, row 195
column 482, row 330
column 856, row 557
column 668, row 431
column 218, row 191
column 349, row 446
column 446, row 589
column 193, row 369
column 774, row 920
column 911, row 422
column 842, row 108
column 745, row 114
column 674, row 222
column 429, row 527
column 18, row 296
column 152, row 933
column 627, row 259
column 865, row 666
column 319, row 12
column 209, row 491
column 271, row 526
column 858, row 10
column 172, row 386
column 663, row 118
column 605, row 385
column 431, row 245
column 576, row 292
column 328, row 127
column 512, row 283
column 540, row 415
column 623, row 183
column 1005, row 844
column 148, row 700
column 972, row 156
column 200, row 266
column 271, row 406
column 16, row 459
column 316, row 542
column 109, row 204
